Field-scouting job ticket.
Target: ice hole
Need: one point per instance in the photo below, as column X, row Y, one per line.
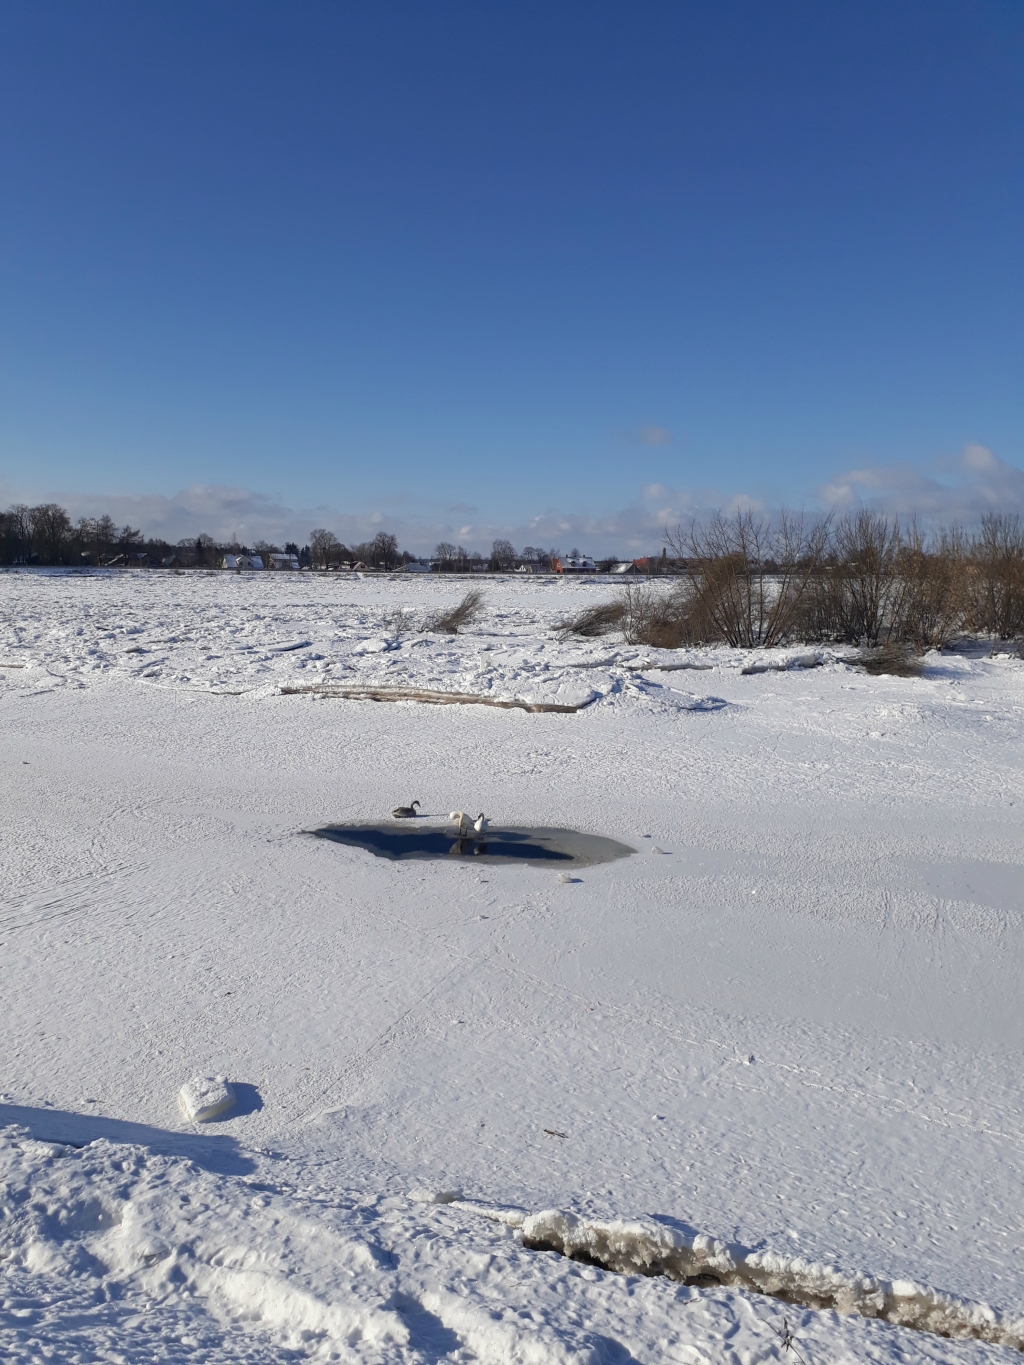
column 535, row 845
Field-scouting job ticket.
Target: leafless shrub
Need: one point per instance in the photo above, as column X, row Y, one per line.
column 665, row 619
column 399, row 623
column 748, row 575
column 892, row 659
column 600, row 619
column 467, row 611
column 871, row 589
column 933, row 603
column 995, row 581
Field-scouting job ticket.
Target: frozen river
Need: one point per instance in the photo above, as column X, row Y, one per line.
column 790, row 1021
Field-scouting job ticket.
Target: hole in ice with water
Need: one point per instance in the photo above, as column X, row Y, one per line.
column 534, row 845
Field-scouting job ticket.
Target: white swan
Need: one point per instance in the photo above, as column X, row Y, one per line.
column 480, row 823
column 464, row 822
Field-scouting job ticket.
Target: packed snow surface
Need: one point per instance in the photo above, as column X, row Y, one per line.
column 786, row 1053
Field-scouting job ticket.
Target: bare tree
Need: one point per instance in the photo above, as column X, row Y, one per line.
column 205, row 551
column 51, row 530
column 102, row 538
column 503, row 556
column 15, row 534
column 127, row 538
column 385, row 549
column 323, row 546
column 446, row 553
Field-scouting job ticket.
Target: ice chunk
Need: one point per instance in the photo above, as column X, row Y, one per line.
column 205, row 1097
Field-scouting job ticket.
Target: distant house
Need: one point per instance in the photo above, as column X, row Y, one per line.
column 249, row 562
column 170, row 562
column 658, row 564
column 574, row 564
column 278, row 561
column 130, row 561
column 622, row 569
column 230, row 562
column 414, row 566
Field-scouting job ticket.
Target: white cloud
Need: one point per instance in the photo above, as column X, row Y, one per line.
column 959, row 488
column 654, row 436
column 227, row 512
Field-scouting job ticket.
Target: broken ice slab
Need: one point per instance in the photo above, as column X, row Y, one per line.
column 206, row 1097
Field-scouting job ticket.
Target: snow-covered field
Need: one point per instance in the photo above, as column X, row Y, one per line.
column 796, row 1032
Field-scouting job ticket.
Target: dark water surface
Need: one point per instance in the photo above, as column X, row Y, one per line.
column 536, row 845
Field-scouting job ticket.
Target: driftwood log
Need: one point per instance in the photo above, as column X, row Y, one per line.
column 430, row 697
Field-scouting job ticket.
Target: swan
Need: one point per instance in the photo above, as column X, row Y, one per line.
column 405, row 812
column 464, row 822
column 480, row 823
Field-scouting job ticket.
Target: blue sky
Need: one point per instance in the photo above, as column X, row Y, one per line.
column 557, row 270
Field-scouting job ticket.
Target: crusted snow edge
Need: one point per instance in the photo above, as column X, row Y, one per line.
column 638, row 1247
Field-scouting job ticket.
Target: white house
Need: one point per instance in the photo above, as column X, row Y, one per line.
column 574, row 564
column 284, row 561
column 415, row 566
column 230, row 562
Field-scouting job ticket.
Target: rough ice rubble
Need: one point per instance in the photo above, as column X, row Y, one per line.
column 262, row 639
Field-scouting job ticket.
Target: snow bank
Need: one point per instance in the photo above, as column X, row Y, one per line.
column 119, row 1222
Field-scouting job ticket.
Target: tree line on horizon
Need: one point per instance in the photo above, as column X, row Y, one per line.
column 746, row 580
column 46, row 535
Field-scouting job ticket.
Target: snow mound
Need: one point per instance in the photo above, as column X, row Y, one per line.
column 205, row 1097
